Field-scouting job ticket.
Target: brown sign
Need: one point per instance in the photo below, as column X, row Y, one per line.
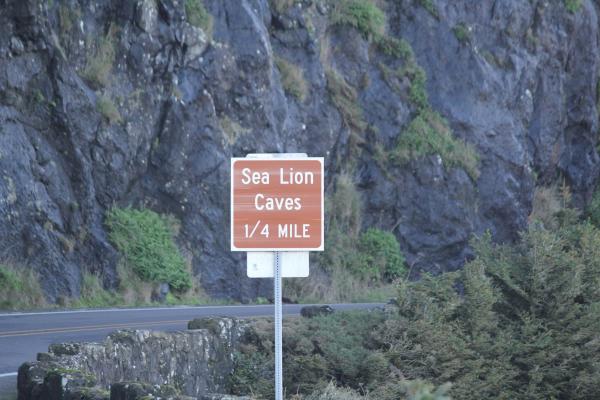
column 276, row 204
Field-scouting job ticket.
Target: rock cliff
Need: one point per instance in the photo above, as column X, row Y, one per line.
column 132, row 102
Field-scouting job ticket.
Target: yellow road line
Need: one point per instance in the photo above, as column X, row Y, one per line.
column 88, row 328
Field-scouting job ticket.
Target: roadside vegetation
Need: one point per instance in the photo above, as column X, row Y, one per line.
column 329, row 357
column 517, row 322
column 20, row 289
column 150, row 260
column 146, row 243
column 358, row 265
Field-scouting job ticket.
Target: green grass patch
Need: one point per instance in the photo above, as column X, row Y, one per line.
column 198, row 16
column 20, row 289
column 398, row 48
column 430, row 7
column 363, row 15
column 147, row 245
column 108, row 109
column 99, row 66
column 292, row 79
column 94, row 295
column 345, row 99
column 462, row 33
column 429, row 134
column 417, row 93
column 572, row 6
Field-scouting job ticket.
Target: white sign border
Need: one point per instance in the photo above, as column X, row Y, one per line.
column 282, row 155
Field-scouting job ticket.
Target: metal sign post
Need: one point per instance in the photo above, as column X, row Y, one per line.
column 277, row 299
column 277, row 217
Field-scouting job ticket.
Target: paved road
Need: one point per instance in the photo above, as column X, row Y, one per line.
column 23, row 335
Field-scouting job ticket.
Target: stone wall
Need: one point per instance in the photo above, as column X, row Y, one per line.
column 130, row 364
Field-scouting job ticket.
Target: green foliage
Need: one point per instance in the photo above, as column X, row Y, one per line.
column 331, row 392
column 358, row 267
column 93, row 294
column 429, row 6
column 99, row 65
column 547, row 206
column 572, row 6
column 462, row 33
column 398, row 48
column 418, row 93
column 525, row 327
column 316, row 350
column 108, row 109
column 147, row 245
column 292, row 79
column 429, row 134
column 593, row 210
column 198, row 16
column 363, row 15
column 326, row 358
column 20, row 289
column 281, row 6
column 380, row 256
column 252, row 374
column 421, row 390
column 345, row 99
column 343, row 208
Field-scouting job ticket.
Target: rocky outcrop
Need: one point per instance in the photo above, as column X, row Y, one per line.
column 128, row 365
column 125, row 102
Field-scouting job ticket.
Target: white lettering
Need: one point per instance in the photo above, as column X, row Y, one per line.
column 246, row 176
column 254, row 177
column 291, row 177
column 256, row 205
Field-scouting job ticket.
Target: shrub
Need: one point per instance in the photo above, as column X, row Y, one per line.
column 99, row 65
column 461, row 32
column 363, row 15
column 107, row 108
column 337, row 346
column 147, row 245
column 292, row 79
column 429, row 134
column 546, row 206
column 594, row 209
column 198, row 16
column 380, row 255
column 398, row 48
column 525, row 327
column 20, row 289
column 429, row 6
column 343, row 208
column 572, row 6
column 331, row 392
column 417, row 93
